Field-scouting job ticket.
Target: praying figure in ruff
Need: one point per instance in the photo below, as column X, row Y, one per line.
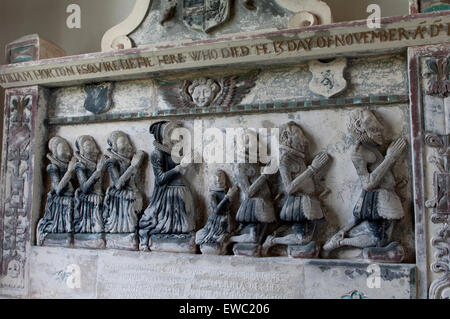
column 217, row 229
column 172, row 210
column 58, row 216
column 378, row 206
column 123, row 200
column 88, row 214
column 302, row 208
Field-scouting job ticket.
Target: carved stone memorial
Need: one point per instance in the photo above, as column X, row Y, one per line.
column 346, row 177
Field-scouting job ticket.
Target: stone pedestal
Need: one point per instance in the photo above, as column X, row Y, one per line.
column 31, row 48
column 92, row 241
column 214, row 249
column 128, row 241
column 58, row 240
column 175, row 243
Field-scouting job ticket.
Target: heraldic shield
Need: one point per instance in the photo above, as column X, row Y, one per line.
column 204, row 15
column 328, row 77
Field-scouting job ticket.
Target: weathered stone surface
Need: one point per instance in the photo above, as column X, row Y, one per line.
column 90, row 241
column 176, row 243
column 121, row 274
column 122, row 241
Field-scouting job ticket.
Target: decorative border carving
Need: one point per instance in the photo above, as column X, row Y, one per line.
column 17, row 186
column 116, row 38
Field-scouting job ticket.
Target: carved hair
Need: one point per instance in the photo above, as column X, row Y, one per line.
column 355, row 128
column 204, row 81
column 54, row 142
column 114, row 136
column 80, row 142
column 289, row 129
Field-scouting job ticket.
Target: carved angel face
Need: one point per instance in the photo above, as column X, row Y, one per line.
column 13, row 270
column 90, row 150
column 124, row 146
column 63, row 152
column 202, row 95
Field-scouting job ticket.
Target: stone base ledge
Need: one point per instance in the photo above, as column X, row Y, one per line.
column 128, row 274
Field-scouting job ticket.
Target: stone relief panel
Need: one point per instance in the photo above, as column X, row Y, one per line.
column 246, row 222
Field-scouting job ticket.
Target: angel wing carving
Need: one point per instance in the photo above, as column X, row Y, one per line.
column 207, row 92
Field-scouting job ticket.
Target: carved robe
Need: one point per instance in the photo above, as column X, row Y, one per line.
column 378, row 205
column 257, row 208
column 88, row 214
column 303, row 205
column 124, row 204
column 58, row 216
column 217, row 225
column 171, row 209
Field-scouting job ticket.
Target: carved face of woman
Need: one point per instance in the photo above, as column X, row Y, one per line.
column 372, row 127
column 202, row 95
column 294, row 137
column 63, row 152
column 124, row 147
column 13, row 269
column 90, row 150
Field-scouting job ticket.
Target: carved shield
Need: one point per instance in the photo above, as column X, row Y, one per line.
column 328, row 77
column 204, row 15
column 98, row 97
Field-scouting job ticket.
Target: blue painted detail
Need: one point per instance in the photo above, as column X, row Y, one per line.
column 437, row 8
column 355, row 294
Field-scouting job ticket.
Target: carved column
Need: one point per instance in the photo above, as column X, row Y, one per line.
column 23, row 135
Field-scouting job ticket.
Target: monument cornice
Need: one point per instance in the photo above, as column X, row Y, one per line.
column 261, row 48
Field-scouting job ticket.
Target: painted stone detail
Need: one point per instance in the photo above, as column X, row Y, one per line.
column 438, row 74
column 56, row 226
column 302, row 208
column 204, row 15
column 88, row 212
column 440, row 214
column 99, row 97
column 378, row 207
column 123, row 200
column 355, row 294
column 206, row 92
column 170, row 219
column 16, row 178
column 213, row 237
column 256, row 211
column 328, row 77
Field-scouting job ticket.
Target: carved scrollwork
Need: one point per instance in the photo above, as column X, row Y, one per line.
column 440, row 213
column 438, row 74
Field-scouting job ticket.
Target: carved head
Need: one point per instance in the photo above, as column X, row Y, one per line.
column 365, row 127
column 203, row 91
column 220, row 180
column 120, row 143
column 60, row 149
column 292, row 136
column 87, row 147
column 14, row 269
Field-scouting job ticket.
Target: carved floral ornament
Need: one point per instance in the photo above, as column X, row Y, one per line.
column 205, row 92
column 438, row 74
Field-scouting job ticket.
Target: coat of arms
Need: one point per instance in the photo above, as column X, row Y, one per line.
column 328, row 77
column 203, row 15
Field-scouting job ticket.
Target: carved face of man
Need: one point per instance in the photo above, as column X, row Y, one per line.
column 219, row 179
column 63, row 152
column 124, row 146
column 372, row 127
column 13, row 269
column 90, row 150
column 293, row 137
column 203, row 95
